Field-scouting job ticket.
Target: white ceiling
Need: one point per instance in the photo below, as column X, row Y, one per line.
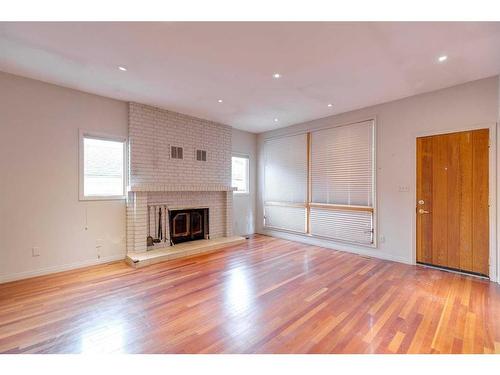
column 187, row 67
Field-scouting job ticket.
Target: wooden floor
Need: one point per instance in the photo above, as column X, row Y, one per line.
column 263, row 296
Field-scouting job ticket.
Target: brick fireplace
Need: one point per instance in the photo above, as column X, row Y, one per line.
column 177, row 162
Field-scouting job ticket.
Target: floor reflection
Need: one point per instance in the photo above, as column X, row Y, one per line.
column 239, row 291
column 241, row 308
column 305, row 263
column 108, row 338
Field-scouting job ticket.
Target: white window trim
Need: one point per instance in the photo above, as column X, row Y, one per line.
column 97, row 135
column 245, row 156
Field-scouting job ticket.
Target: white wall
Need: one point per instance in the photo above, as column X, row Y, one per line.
column 39, row 203
column 468, row 106
column 245, row 143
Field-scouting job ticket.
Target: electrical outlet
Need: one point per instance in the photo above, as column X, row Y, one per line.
column 381, row 239
column 404, row 188
column 35, row 251
column 99, row 243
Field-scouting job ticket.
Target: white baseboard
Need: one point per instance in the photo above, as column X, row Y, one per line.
column 370, row 252
column 64, row 267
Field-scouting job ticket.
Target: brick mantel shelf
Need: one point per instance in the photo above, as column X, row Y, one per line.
column 192, row 187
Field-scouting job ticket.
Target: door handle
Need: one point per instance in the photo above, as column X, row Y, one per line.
column 422, row 211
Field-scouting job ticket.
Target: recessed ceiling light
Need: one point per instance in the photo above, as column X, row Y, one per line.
column 276, row 120
column 330, row 105
column 122, row 68
column 442, row 58
column 219, row 101
column 276, row 75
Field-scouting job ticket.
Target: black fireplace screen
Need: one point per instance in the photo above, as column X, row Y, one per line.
column 188, row 224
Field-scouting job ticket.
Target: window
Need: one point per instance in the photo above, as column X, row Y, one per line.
column 285, row 176
column 102, row 167
column 342, row 177
column 322, row 183
column 240, row 174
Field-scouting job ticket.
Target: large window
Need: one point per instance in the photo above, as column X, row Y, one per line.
column 102, row 167
column 322, row 183
column 240, row 174
column 285, row 179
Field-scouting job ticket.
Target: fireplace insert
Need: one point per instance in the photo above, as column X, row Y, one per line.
column 188, row 225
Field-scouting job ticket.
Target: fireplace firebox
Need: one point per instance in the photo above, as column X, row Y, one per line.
column 188, row 225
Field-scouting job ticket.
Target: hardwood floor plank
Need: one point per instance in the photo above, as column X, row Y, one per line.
column 266, row 295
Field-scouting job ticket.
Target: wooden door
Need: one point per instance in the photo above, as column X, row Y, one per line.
column 452, row 201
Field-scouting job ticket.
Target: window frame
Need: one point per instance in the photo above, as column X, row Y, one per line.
column 82, row 134
column 241, row 156
column 309, row 204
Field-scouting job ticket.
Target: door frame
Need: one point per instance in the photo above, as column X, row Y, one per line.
column 493, row 190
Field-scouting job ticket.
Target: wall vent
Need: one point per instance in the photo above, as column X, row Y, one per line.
column 176, row 152
column 201, row 155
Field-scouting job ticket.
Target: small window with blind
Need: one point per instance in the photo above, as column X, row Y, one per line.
column 240, row 174
column 322, row 183
column 102, row 166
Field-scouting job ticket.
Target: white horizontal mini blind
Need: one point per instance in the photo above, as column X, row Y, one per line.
column 286, row 217
column 352, row 226
column 342, row 177
column 103, row 167
column 286, row 169
column 342, row 165
column 285, row 181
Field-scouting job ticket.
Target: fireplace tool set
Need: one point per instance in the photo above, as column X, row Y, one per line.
column 159, row 224
column 175, row 226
